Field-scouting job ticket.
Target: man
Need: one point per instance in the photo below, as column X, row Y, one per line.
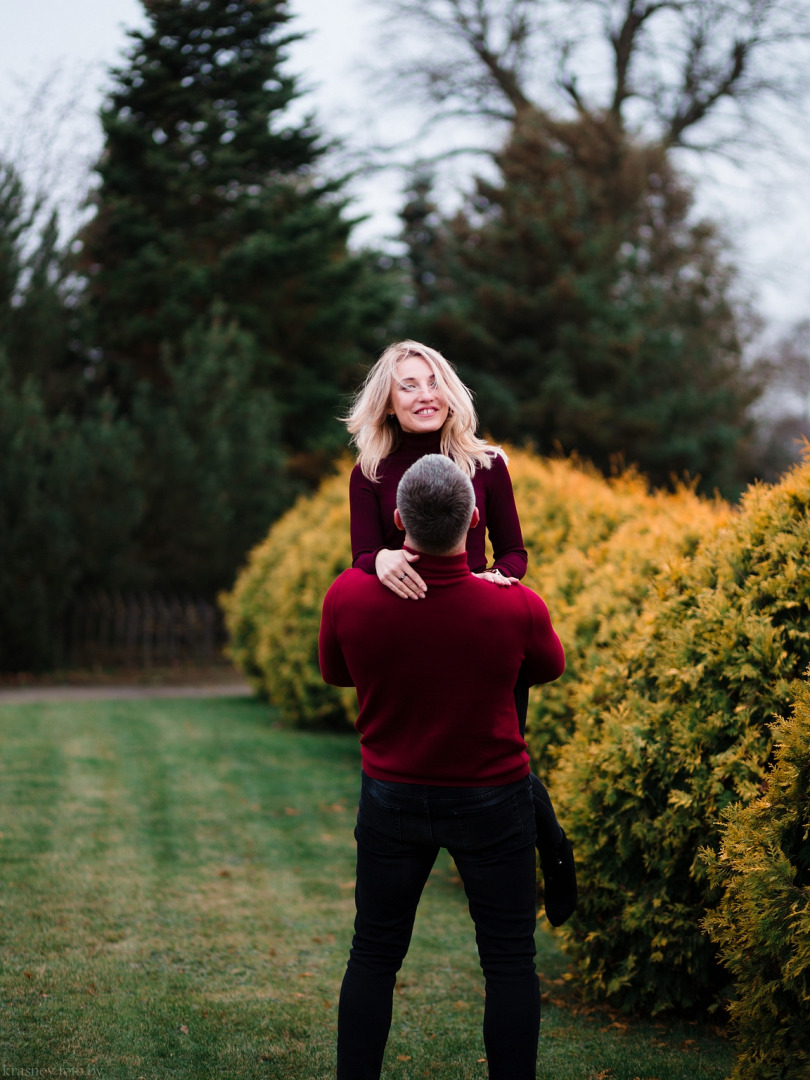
column 444, row 765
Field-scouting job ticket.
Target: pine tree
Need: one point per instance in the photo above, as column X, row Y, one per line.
column 589, row 313
column 209, row 197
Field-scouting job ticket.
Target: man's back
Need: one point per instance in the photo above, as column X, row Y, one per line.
column 435, row 678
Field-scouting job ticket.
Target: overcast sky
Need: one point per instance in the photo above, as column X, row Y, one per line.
column 74, row 42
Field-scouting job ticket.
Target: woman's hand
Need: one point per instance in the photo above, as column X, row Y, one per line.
column 395, row 572
column 497, row 578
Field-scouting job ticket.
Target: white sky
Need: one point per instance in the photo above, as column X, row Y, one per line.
column 74, row 41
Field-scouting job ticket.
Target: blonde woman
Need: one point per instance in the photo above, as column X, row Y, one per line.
column 413, row 403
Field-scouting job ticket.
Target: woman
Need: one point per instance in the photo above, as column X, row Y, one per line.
column 413, row 403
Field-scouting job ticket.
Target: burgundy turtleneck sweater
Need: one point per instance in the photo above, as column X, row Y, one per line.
column 373, row 504
column 435, row 677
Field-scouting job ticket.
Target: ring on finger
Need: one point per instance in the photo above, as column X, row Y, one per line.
column 402, row 577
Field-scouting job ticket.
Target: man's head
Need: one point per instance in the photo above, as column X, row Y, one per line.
column 436, row 506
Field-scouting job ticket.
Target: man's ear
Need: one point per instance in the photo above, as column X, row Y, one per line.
column 398, row 521
column 476, row 517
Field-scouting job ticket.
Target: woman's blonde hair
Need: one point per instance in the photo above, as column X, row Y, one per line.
column 375, row 432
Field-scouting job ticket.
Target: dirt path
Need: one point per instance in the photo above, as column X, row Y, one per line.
column 25, row 695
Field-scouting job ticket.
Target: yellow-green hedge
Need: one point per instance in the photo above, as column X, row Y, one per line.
column 762, row 923
column 594, row 547
column 274, row 610
column 671, row 730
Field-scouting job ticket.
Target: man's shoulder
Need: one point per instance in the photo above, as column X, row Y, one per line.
column 354, row 582
column 512, row 598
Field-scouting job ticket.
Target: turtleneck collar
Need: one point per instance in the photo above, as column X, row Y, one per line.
column 440, row 569
column 421, row 442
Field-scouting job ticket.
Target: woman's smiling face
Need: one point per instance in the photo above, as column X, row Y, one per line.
column 416, row 401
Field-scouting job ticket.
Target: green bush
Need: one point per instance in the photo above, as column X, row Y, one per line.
column 762, row 923
column 670, row 731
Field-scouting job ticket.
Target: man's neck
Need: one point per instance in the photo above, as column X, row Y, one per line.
column 459, row 549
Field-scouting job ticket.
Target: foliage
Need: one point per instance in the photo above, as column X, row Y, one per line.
column 587, row 308
column 68, row 508
column 35, row 297
column 68, row 498
column 274, row 610
column 208, row 197
column 762, row 923
column 595, row 547
column 211, row 473
column 670, row 731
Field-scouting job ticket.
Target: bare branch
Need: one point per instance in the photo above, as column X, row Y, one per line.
column 661, row 68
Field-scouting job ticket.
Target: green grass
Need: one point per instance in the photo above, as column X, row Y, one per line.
column 177, row 902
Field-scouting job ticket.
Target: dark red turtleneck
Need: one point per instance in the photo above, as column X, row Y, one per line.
column 435, row 677
column 372, row 510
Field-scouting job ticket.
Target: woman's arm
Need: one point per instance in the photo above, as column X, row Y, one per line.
column 366, row 526
column 503, row 523
column 393, row 566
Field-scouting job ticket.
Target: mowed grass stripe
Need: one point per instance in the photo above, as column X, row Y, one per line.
column 177, row 902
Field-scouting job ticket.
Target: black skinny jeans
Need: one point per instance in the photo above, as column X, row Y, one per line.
column 490, row 833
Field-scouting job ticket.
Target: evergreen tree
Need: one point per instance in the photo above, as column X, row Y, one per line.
column 68, row 511
column 35, row 298
column 221, row 475
column 589, row 313
column 209, row 198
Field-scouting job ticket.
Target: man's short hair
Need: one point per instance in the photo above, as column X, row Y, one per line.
column 435, row 500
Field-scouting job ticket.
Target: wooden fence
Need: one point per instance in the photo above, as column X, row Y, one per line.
column 141, row 631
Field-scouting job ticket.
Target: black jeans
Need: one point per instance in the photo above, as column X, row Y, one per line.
column 490, row 834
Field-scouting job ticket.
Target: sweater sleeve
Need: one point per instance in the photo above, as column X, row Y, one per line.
column 331, row 660
column 544, row 659
column 503, row 523
column 366, row 526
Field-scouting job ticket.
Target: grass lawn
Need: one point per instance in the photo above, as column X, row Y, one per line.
column 176, row 901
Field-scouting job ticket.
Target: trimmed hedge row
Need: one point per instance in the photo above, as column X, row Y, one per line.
column 274, row 611
column 685, row 623
column 669, row 733
column 762, row 923
column 594, row 546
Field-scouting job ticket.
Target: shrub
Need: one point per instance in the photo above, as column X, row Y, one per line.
column 669, row 733
column 762, row 923
column 595, row 547
column 274, row 610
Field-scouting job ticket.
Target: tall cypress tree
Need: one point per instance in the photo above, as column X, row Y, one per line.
column 209, row 200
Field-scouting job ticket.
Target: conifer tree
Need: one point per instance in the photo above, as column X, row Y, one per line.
column 209, row 197
column 589, row 313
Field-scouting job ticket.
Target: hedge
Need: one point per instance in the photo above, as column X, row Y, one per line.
column 669, row 732
column 594, row 546
column 762, row 923
column 273, row 613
